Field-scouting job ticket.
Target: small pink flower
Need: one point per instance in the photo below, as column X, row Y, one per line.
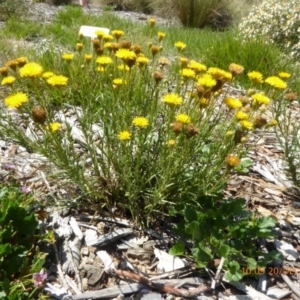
column 39, row 278
column 25, row 189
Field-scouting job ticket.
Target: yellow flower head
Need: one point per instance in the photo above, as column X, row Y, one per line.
column 142, row 61
column 88, row 57
column 47, row 75
column 255, row 77
column 100, row 69
column 206, row 80
column 196, row 66
column 272, row 123
column 180, row 46
column 204, row 102
column 124, row 135
column 171, row 143
column 235, row 69
column 16, row 100
column 284, row 75
column 233, row 103
column 107, row 38
column 260, row 99
column 123, row 68
column 217, row 73
column 4, row 71
column 187, row 73
column 125, row 54
column 140, row 122
column 172, row 99
column 13, row 64
column 232, row 161
column 240, row 115
column 57, row 80
column 79, row 47
column 229, row 134
column 117, row 34
column 152, row 22
column 53, row 127
column 118, row 82
column 276, row 82
column 68, row 57
column 21, row 61
column 100, row 34
column 31, row 70
column 104, row 61
column 246, row 124
column 183, row 118
column 9, row 80
column 160, row 36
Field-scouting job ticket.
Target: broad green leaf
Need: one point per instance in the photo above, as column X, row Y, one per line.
column 251, row 263
column 223, row 250
column 177, row 249
column 202, row 255
column 190, row 214
column 266, row 222
column 234, row 272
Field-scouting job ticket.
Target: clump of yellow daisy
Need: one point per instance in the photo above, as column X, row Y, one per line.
column 53, row 127
column 220, row 74
column 68, row 57
column 140, row 122
column 183, row 118
column 57, row 80
column 9, row 80
column 187, row 73
column 123, row 68
column 172, row 99
column 47, row 75
column 152, row 22
column 180, row 46
column 117, row 34
column 88, row 57
column 203, row 102
column 255, row 77
column 104, row 61
column 16, row 100
column 107, row 38
column 142, row 61
column 79, row 47
column 124, row 135
column 4, row 71
column 233, row 103
column 235, row 69
column 100, row 34
column 196, row 66
column 125, row 54
column 171, row 143
column 12, row 64
column 232, row 161
column 21, row 61
column 276, row 82
column 31, row 70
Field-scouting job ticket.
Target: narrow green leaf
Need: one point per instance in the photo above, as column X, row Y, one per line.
column 177, row 249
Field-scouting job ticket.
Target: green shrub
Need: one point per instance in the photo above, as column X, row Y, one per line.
column 12, row 8
column 278, row 22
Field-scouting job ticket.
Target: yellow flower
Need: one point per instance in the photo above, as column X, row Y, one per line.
column 183, row 118
column 107, row 38
column 124, row 135
column 172, row 99
column 180, row 46
column 183, row 62
column 246, row 125
column 206, row 80
column 256, row 77
column 233, row 103
column 53, row 127
column 272, row 123
column 217, row 73
column 204, row 102
column 100, row 69
column 100, row 34
column 4, row 71
column 232, row 161
column 196, row 66
column 284, row 75
column 118, row 82
column 57, row 80
column 31, row 70
column 88, row 57
column 117, row 34
column 235, row 69
column 125, row 54
column 142, row 61
column 79, row 47
column 260, row 99
column 276, row 82
column 171, row 143
column 47, row 75
column 104, row 61
column 229, row 134
column 9, row 80
column 123, row 67
column 160, row 36
column 152, row 22
column 140, row 122
column 240, row 115
column 187, row 73
column 68, row 57
column 16, row 100
column 13, row 64
column 21, row 61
